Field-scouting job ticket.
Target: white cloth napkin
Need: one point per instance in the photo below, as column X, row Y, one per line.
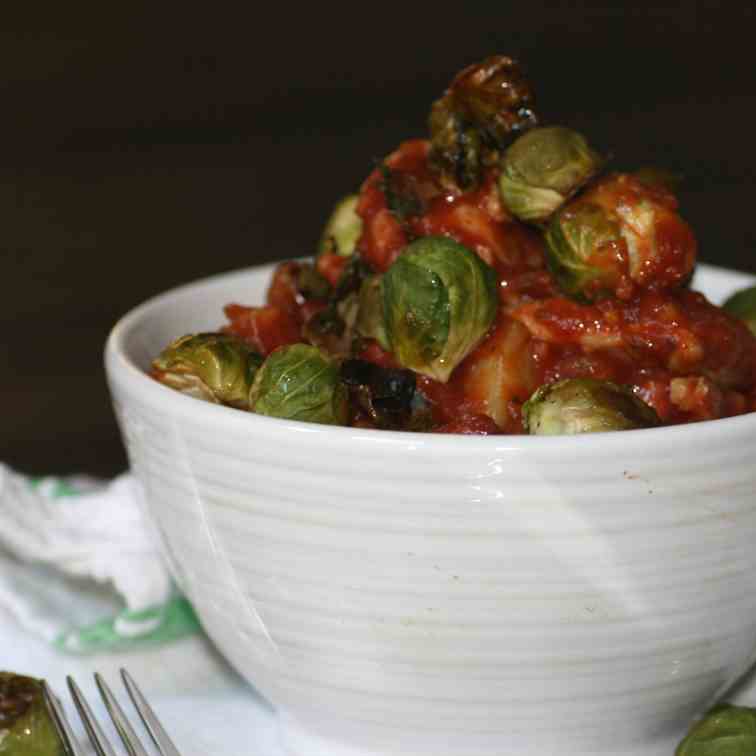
column 80, row 567
column 83, row 588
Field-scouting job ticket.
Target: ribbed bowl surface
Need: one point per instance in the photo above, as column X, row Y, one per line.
column 399, row 593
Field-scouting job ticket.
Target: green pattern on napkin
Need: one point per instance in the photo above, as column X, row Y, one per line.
column 54, row 488
column 129, row 630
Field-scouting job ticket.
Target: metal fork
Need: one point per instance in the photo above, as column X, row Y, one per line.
column 100, row 742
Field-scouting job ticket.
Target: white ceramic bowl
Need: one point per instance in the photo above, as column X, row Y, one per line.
column 396, row 593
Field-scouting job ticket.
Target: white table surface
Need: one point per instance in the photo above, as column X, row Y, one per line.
column 205, row 707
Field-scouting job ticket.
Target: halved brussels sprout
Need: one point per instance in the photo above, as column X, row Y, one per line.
column 343, row 229
column 543, row 168
column 485, row 104
column 370, row 320
column 725, row 731
column 439, row 300
column 742, row 305
column 299, row 382
column 585, row 405
column 25, row 726
column 216, row 367
column 581, row 251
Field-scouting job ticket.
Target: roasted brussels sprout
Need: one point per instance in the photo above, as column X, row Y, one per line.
column 299, row 382
column 484, row 106
column 585, row 405
column 343, row 228
column 370, row 321
column 543, row 168
column 458, row 156
column 25, row 726
column 742, row 305
column 439, row 300
column 619, row 236
column 583, row 251
column 725, row 731
column 216, row 367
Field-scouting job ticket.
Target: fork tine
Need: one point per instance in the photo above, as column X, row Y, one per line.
column 70, row 742
column 96, row 735
column 151, row 722
column 125, row 730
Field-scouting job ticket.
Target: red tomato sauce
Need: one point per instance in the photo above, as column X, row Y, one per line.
column 685, row 357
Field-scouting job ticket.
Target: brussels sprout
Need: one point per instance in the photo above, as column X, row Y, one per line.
column 484, row 106
column 585, row 405
column 619, row 236
column 370, row 321
column 496, row 96
column 343, row 229
column 439, row 299
column 580, row 242
column 26, row 728
column 299, row 382
column 742, row 305
column 543, row 168
column 458, row 154
column 725, row 731
column 216, row 367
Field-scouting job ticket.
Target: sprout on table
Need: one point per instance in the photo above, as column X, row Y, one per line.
column 726, row 730
column 25, row 726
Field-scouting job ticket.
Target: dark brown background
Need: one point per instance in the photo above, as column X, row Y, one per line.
column 144, row 149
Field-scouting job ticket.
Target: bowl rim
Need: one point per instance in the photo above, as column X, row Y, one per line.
column 121, row 368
